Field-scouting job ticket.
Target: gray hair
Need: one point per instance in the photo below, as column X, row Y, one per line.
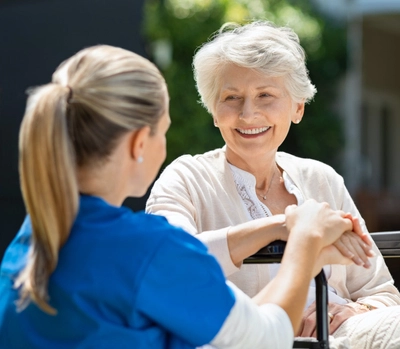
column 95, row 97
column 273, row 51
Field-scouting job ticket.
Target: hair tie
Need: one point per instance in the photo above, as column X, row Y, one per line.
column 70, row 94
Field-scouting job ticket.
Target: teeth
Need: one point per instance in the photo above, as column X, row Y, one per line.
column 253, row 131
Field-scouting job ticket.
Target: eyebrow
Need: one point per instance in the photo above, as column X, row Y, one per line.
column 266, row 86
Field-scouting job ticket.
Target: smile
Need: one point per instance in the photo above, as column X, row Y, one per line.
column 253, row 131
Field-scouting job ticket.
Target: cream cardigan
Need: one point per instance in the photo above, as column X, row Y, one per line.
column 198, row 193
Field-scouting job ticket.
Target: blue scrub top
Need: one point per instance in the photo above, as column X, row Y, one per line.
column 123, row 280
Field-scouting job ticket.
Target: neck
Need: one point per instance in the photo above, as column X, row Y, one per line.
column 99, row 182
column 108, row 178
column 263, row 168
column 266, row 180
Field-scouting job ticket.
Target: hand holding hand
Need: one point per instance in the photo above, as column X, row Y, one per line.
column 356, row 244
column 317, row 220
column 330, row 255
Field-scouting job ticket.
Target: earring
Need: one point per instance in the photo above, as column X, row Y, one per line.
column 297, row 121
column 139, row 159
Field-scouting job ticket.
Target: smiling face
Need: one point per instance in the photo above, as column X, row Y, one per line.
column 253, row 112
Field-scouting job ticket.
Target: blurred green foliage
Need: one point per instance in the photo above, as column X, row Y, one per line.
column 173, row 29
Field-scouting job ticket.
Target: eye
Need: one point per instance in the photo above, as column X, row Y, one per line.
column 264, row 94
column 231, row 98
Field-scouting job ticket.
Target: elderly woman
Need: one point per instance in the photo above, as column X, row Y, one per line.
column 254, row 82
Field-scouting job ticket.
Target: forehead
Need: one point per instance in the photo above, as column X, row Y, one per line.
column 233, row 77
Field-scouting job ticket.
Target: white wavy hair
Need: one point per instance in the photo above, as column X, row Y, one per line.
column 260, row 45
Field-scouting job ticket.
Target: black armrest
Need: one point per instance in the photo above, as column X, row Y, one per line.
column 388, row 243
column 271, row 253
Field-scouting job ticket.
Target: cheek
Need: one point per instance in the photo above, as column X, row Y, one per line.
column 162, row 149
column 280, row 111
column 224, row 113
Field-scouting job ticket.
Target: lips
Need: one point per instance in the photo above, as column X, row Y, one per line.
column 253, row 131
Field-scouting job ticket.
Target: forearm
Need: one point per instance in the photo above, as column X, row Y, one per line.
column 247, row 238
column 292, row 281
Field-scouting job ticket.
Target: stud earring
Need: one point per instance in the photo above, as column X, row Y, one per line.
column 139, row 159
column 297, row 121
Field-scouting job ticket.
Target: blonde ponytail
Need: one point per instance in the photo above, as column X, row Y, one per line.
column 49, row 188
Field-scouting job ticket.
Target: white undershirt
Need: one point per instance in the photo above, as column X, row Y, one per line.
column 253, row 327
column 246, row 184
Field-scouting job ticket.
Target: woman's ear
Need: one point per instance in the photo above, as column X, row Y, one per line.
column 298, row 112
column 138, row 143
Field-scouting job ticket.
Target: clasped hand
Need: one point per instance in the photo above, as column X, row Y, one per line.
column 344, row 240
column 339, row 313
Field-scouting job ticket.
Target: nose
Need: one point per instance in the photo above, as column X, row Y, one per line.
column 249, row 109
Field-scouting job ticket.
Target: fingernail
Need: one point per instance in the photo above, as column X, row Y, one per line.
column 367, row 264
column 372, row 253
column 358, row 261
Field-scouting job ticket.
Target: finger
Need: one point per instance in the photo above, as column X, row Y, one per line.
column 360, row 249
column 349, row 240
column 348, row 219
column 289, row 209
column 360, row 232
column 314, row 334
column 338, row 319
column 300, row 330
column 332, row 321
column 340, row 314
column 334, row 324
column 309, row 326
column 310, row 310
column 358, row 229
column 360, row 244
column 343, row 249
column 357, row 247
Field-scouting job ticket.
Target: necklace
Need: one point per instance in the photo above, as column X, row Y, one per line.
column 264, row 197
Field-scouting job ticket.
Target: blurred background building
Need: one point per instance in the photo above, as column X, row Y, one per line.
column 370, row 105
column 353, row 50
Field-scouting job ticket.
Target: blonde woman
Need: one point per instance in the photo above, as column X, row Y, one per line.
column 84, row 272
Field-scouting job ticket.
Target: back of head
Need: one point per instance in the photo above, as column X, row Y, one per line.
column 273, row 51
column 75, row 121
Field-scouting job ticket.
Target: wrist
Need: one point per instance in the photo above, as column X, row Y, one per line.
column 367, row 306
column 361, row 307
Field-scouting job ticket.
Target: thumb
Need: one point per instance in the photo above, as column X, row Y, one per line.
column 290, row 208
